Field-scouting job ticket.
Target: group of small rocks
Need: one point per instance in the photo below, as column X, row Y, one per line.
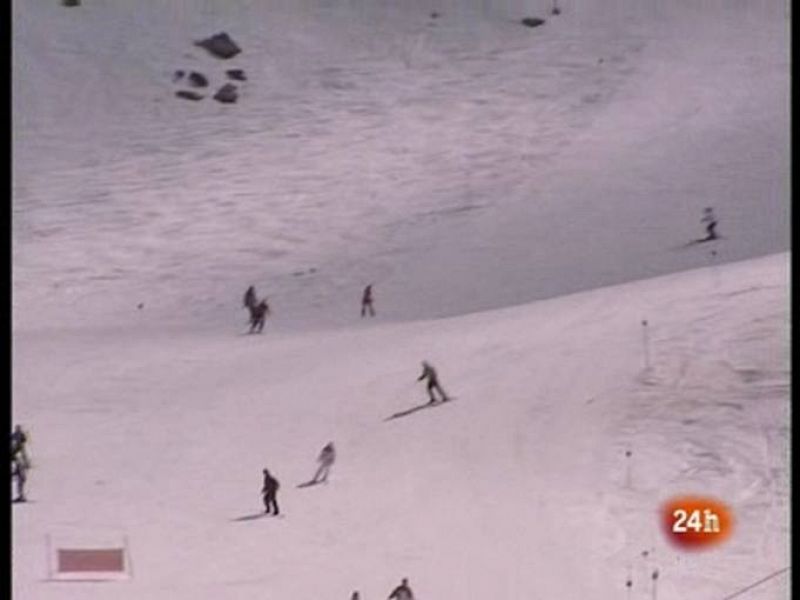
column 220, row 46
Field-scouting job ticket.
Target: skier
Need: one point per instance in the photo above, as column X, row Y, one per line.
column 326, row 458
column 355, row 596
column 249, row 300
column 257, row 315
column 19, row 474
column 366, row 302
column 19, row 448
column 429, row 373
column 711, row 223
column 402, row 592
column 269, row 491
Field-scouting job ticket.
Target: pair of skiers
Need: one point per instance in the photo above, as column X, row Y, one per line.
column 258, row 310
column 401, row 592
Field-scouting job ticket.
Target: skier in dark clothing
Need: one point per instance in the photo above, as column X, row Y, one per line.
column 429, row 373
column 257, row 315
column 19, row 449
column 269, row 491
column 710, row 222
column 19, row 473
column 250, row 299
column 366, row 302
column 402, row 592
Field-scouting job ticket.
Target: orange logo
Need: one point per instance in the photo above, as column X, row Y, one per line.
column 696, row 522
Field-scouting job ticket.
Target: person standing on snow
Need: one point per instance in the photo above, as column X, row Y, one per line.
column 366, row 302
column 19, row 441
column 429, row 373
column 402, row 592
column 19, row 473
column 249, row 299
column 258, row 314
column 710, row 222
column 326, row 458
column 270, row 490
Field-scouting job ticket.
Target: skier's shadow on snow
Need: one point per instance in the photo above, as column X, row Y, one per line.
column 413, row 409
column 252, row 517
column 306, row 484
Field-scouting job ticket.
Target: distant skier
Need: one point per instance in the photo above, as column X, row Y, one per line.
column 19, row 446
column 710, row 222
column 355, row 596
column 19, row 474
column 429, row 373
column 258, row 314
column 250, row 299
column 402, row 592
column 270, row 491
column 326, row 458
column 366, row 302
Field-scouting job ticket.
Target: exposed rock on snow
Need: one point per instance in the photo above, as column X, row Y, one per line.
column 220, row 45
column 188, row 95
column 236, row 74
column 198, row 79
column 70, row 2
column 227, row 94
column 532, row 21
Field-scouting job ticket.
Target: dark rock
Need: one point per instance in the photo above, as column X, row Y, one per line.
column 435, row 15
column 177, row 76
column 227, row 94
column 236, row 74
column 220, row 45
column 532, row 21
column 198, row 79
column 187, row 95
column 70, row 2
column 555, row 11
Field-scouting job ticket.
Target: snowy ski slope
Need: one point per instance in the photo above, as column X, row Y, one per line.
column 511, row 192
column 518, row 488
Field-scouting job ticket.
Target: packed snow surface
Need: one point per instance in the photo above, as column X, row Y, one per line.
column 461, row 163
column 519, row 487
column 520, row 198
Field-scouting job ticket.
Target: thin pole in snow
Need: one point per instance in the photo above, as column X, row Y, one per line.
column 714, row 269
column 628, row 584
column 646, row 345
column 655, row 584
column 628, row 455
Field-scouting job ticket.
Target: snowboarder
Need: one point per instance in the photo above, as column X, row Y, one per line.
column 429, row 373
column 711, row 223
column 250, row 299
column 269, row 491
column 366, row 302
column 355, row 596
column 326, row 458
column 19, row 441
column 402, row 592
column 257, row 315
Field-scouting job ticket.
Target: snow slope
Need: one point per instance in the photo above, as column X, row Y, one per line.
column 466, row 165
column 466, row 161
column 516, row 489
